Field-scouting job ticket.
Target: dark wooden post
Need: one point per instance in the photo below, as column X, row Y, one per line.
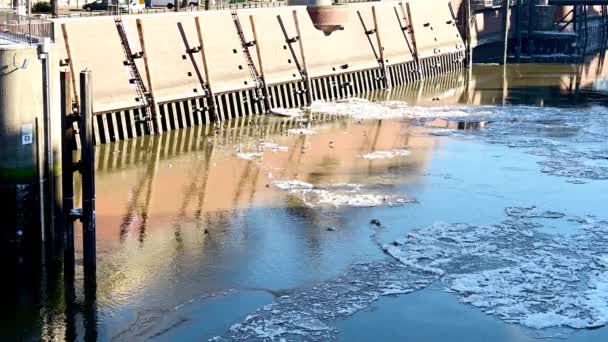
column 88, row 173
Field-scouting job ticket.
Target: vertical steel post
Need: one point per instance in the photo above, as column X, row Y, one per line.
column 467, row 28
column 67, row 166
column 506, row 13
column 47, row 169
column 88, row 175
column 518, row 30
column 531, row 20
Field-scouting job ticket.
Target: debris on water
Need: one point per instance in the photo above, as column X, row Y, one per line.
column 386, row 154
column 375, row 222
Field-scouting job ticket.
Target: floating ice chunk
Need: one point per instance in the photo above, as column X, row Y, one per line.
column 363, row 109
column 249, row 156
column 293, row 185
column 273, row 147
column 310, row 323
column 386, row 154
column 339, row 195
column 532, row 212
column 301, row 131
column 289, row 112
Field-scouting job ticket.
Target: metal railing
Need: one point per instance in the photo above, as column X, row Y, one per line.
column 23, row 29
column 225, row 6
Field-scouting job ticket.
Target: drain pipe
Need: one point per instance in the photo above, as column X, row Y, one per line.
column 47, row 177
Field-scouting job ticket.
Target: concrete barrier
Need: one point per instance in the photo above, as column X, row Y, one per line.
column 189, row 70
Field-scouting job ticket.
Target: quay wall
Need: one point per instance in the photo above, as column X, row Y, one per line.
column 338, row 65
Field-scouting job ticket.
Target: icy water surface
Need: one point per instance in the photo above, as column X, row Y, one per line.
column 454, row 209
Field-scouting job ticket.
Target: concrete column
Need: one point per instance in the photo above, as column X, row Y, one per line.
column 21, row 106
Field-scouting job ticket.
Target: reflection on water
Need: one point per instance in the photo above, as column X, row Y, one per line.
column 182, row 219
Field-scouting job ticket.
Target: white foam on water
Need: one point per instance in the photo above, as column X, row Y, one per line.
column 386, row 154
column 301, row 131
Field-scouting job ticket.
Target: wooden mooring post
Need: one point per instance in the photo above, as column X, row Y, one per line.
column 83, row 115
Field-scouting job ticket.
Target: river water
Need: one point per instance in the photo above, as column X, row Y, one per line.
column 467, row 208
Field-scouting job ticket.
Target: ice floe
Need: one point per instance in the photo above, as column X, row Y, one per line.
column 249, row 156
column 516, row 272
column 339, row 195
column 511, row 270
column 386, row 154
column 301, row 131
column 363, row 109
column 289, row 112
column 307, row 315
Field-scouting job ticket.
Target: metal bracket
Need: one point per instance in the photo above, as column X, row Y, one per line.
column 75, row 214
column 194, row 49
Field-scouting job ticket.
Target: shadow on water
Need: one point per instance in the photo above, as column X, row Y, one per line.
column 42, row 301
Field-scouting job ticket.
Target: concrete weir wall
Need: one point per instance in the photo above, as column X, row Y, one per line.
column 186, row 69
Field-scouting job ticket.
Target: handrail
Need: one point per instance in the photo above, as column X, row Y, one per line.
column 23, row 29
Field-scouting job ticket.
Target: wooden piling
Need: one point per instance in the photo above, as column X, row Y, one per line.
column 211, row 102
column 158, row 128
column 68, row 51
column 87, row 162
column 258, row 50
column 387, row 78
column 307, row 79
